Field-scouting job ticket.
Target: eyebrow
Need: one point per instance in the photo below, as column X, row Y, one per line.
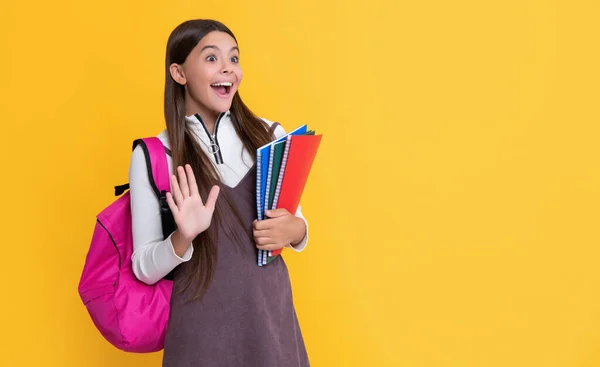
column 215, row 47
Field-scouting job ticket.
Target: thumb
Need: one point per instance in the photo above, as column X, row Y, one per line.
column 276, row 213
column 212, row 197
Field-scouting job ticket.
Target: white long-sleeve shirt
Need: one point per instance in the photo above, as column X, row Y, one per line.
column 153, row 256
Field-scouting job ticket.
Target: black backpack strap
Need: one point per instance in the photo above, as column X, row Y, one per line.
column 120, row 189
column 167, row 221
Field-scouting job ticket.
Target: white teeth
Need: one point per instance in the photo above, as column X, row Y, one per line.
column 227, row 84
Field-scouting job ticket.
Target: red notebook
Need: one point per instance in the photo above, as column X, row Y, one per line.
column 300, row 157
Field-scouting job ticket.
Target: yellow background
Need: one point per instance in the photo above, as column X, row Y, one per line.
column 453, row 205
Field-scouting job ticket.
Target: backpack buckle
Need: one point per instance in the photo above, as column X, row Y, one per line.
column 164, row 206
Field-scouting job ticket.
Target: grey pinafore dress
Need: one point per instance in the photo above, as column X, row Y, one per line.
column 247, row 315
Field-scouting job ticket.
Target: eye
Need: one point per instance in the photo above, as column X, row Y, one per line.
column 211, row 58
column 235, row 59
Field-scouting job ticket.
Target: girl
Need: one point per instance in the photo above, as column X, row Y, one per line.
column 225, row 310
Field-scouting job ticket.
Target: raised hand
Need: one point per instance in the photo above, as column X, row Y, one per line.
column 191, row 215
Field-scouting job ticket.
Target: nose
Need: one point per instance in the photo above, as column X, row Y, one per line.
column 226, row 67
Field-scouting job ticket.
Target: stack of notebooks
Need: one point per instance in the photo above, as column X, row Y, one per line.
column 282, row 169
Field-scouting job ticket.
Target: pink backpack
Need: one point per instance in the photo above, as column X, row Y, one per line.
column 130, row 314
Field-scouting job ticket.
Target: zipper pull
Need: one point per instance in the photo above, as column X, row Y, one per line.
column 214, row 147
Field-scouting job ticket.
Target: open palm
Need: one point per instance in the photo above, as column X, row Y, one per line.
column 191, row 215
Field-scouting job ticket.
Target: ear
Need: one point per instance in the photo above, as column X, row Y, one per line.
column 177, row 73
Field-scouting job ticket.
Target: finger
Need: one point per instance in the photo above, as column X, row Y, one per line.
column 171, row 203
column 212, row 197
column 176, row 191
column 263, row 233
column 263, row 225
column 191, row 180
column 185, row 191
column 275, row 213
column 264, row 241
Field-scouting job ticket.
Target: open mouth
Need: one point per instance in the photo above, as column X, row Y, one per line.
column 222, row 89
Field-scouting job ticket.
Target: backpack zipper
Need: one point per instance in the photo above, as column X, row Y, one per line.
column 214, row 142
column 111, row 240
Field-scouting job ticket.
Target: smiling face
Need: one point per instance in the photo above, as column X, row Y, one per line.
column 211, row 75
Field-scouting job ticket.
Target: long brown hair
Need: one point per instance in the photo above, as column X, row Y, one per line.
column 252, row 130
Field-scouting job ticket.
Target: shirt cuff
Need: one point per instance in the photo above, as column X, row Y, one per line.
column 187, row 255
column 302, row 244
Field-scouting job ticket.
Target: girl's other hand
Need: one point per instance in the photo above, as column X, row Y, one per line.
column 281, row 229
